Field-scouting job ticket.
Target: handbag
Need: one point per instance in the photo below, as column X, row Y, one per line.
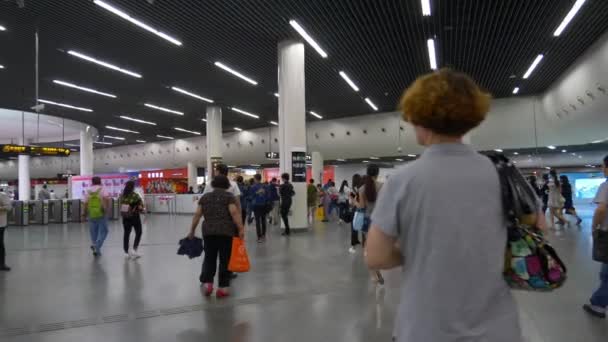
column 239, row 260
column 531, row 263
column 359, row 220
column 600, row 246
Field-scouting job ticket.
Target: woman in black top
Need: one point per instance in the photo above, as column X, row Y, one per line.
column 286, row 192
column 567, row 193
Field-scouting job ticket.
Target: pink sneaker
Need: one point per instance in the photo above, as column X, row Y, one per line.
column 208, row 289
column 220, row 293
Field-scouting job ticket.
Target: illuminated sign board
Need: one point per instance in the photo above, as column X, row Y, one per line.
column 12, row 150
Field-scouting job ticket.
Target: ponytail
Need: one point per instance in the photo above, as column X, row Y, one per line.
column 371, row 193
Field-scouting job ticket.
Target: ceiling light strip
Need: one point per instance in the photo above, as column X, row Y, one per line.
column 349, row 81
column 102, row 143
column 371, row 104
column 274, row 123
column 113, row 137
column 185, row 130
column 244, row 112
column 102, row 63
column 65, row 105
column 180, row 90
column 430, row 44
column 2, row 28
column 515, row 90
column 163, row 109
column 121, row 129
column 238, row 129
column 426, row 7
column 1, row 66
column 573, row 11
column 235, row 73
column 140, row 141
column 308, row 38
column 136, row 22
column 137, row 120
column 164, row 137
column 533, row 66
column 71, row 85
column 315, row 115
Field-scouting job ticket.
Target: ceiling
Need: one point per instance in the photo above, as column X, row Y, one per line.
column 380, row 44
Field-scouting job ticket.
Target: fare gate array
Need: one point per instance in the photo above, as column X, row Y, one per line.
column 25, row 213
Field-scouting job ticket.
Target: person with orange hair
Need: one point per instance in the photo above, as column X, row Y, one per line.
column 441, row 219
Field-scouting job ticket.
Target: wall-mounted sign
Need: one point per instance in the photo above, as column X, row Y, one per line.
column 12, row 150
column 298, row 167
column 272, row 155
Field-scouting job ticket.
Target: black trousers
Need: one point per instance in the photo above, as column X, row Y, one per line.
column 216, row 246
column 260, row 220
column 2, row 250
column 285, row 207
column 354, row 236
column 244, row 216
column 129, row 224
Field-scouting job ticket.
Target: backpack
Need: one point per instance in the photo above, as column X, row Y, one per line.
column 95, row 205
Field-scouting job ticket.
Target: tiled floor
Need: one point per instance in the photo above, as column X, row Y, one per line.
column 304, row 288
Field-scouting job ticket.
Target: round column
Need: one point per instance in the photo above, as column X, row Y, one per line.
column 214, row 138
column 317, row 167
column 86, row 152
column 24, row 178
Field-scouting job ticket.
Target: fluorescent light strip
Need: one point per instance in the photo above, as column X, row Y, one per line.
column 235, row 73
column 515, row 90
column 71, row 85
column 102, row 143
column 113, row 137
column 533, row 66
column 2, row 28
column 72, row 145
column 430, row 44
column 375, row 158
column 164, row 137
column 516, row 153
column 498, row 150
column 163, row 109
column 238, row 129
column 426, row 7
column 204, row 120
column 255, row 165
column 315, row 115
column 412, row 155
column 564, row 151
column 349, row 81
column 121, row 129
column 399, row 159
column 277, row 95
column 136, row 22
column 244, row 112
column 370, row 103
column 140, row 141
column 102, row 63
column 274, row 123
column 137, row 120
column 180, row 90
column 65, row 105
column 366, row 161
column 1, row 66
column 577, row 6
column 341, row 160
column 551, row 147
column 307, row 38
column 187, row 131
column 597, row 141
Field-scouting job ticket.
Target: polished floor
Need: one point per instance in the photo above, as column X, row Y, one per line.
column 304, row 288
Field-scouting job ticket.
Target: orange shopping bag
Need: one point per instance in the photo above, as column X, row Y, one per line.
column 239, row 261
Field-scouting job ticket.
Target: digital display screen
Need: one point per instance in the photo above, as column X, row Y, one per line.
column 586, row 188
column 35, row 150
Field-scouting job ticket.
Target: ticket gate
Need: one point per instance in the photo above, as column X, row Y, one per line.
column 74, row 210
column 38, row 212
column 58, row 211
column 18, row 215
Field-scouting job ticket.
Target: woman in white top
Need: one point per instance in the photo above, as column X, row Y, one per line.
column 556, row 200
column 5, row 206
column 343, row 195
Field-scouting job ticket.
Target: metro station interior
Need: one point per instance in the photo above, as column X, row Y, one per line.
column 164, row 94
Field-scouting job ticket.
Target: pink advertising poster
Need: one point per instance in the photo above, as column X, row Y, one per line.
column 112, row 184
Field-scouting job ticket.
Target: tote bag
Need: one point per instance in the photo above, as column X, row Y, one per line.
column 239, row 260
column 359, row 220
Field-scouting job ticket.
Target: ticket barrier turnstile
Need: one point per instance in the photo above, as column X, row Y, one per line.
column 18, row 215
column 74, row 210
column 38, row 212
column 58, row 211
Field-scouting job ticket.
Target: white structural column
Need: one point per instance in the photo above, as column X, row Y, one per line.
column 317, row 167
column 214, row 137
column 192, row 173
column 292, row 123
column 86, row 152
column 24, row 177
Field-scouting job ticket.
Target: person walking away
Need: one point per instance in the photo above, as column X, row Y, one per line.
column 343, row 194
column 242, row 198
column 567, row 194
column 273, row 193
column 545, row 193
column 352, row 201
column 249, row 198
column 5, row 207
column 286, row 191
column 44, row 194
column 441, row 218
column 366, row 200
column 333, row 195
column 222, row 217
column 96, row 205
column 261, row 202
column 555, row 201
column 131, row 206
column 598, row 304
column 312, row 196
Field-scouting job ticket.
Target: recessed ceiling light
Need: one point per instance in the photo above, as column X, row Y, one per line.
column 274, row 123
column 235, row 73
column 65, row 105
column 371, row 104
column 515, row 90
column 238, row 129
column 516, row 153
column 349, row 81
column 163, row 109
column 366, row 161
column 187, row 131
column 2, row 28
column 136, row 22
column 315, row 115
column 1, row 66
column 71, row 85
column 102, row 142
column 564, row 151
column 121, row 129
column 411, row 155
column 180, row 90
column 430, row 44
column 140, row 141
column 577, row 6
column 308, row 38
column 164, row 137
column 244, row 112
column 375, row 158
column 533, row 66
column 498, row 150
column 137, row 120
column 104, row 64
column 113, row 137
column 277, row 95
column 399, row 159
column 551, row 147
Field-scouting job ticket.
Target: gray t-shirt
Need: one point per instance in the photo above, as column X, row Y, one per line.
column 445, row 209
column 602, row 197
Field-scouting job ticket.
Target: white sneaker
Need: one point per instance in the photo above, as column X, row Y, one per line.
column 135, row 255
column 352, row 250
